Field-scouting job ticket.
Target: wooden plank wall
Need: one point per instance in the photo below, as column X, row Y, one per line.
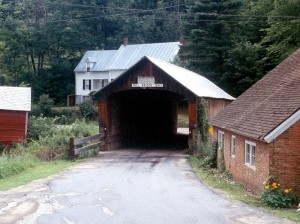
column 13, row 126
column 215, row 106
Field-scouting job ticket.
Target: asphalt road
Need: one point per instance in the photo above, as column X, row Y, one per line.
column 126, row 187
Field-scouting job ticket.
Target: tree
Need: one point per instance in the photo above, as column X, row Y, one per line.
column 208, row 32
column 283, row 35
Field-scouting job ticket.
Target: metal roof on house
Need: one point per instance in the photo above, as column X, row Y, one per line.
column 102, row 60
column 196, row 83
column 127, row 55
column 267, row 108
column 15, row 98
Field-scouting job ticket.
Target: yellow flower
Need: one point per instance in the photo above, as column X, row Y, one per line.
column 267, row 187
column 278, row 185
column 274, row 184
column 286, row 191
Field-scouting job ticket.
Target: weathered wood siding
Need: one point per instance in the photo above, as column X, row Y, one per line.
column 13, row 126
column 215, row 106
column 130, row 111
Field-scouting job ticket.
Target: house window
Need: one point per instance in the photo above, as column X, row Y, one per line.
column 104, row 82
column 221, row 139
column 96, row 84
column 88, row 66
column 232, row 150
column 250, row 153
column 99, row 83
column 86, row 84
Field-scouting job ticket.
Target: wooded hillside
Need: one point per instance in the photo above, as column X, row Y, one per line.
column 232, row 42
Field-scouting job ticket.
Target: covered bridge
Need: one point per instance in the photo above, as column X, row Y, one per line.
column 140, row 107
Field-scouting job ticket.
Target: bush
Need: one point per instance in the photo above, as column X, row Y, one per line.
column 211, row 159
column 88, row 109
column 275, row 196
column 43, row 106
column 39, row 127
column 53, row 139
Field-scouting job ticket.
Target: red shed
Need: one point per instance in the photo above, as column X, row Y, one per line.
column 15, row 103
column 140, row 107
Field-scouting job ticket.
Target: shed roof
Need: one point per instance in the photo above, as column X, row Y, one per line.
column 267, row 108
column 15, row 98
column 127, row 55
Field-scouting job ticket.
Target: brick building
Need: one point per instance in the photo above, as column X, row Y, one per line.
column 15, row 103
column 260, row 130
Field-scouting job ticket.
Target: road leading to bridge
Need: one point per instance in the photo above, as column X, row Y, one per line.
column 126, row 187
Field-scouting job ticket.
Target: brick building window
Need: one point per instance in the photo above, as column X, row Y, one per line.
column 221, row 139
column 232, row 147
column 250, row 153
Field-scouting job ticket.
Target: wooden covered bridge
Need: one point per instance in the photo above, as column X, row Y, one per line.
column 140, row 107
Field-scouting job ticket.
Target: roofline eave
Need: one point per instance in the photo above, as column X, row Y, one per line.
column 282, row 127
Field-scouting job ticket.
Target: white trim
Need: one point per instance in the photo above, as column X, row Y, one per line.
column 250, row 154
column 282, row 127
column 231, row 146
column 219, row 140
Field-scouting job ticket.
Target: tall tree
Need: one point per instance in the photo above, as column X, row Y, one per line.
column 207, row 29
column 283, row 35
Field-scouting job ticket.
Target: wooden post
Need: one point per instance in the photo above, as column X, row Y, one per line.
column 72, row 149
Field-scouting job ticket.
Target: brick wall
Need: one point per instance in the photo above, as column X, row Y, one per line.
column 12, row 126
column 285, row 152
column 252, row 178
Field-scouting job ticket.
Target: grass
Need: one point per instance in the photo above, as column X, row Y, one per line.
column 42, row 170
column 236, row 191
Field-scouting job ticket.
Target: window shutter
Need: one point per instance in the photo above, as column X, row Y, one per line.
column 84, row 84
column 90, row 84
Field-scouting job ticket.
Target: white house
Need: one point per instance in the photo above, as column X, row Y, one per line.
column 97, row 68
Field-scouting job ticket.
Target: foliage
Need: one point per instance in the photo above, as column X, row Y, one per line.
column 210, row 160
column 47, row 141
column 275, row 196
column 223, row 182
column 234, row 43
column 283, row 34
column 41, row 42
column 208, row 34
column 88, row 109
column 39, row 170
column 202, row 115
column 43, row 106
column 17, row 162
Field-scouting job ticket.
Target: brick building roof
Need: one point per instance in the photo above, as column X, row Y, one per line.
column 267, row 105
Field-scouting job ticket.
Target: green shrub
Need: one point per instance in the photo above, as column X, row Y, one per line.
column 275, row 196
column 48, row 141
column 43, row 106
column 88, row 109
column 39, row 127
column 211, row 159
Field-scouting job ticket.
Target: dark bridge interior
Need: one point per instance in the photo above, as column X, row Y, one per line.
column 145, row 118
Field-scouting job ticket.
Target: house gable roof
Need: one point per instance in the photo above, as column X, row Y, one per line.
column 15, row 98
column 267, row 108
column 195, row 83
column 127, row 55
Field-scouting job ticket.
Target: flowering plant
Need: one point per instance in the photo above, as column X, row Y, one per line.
column 274, row 195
